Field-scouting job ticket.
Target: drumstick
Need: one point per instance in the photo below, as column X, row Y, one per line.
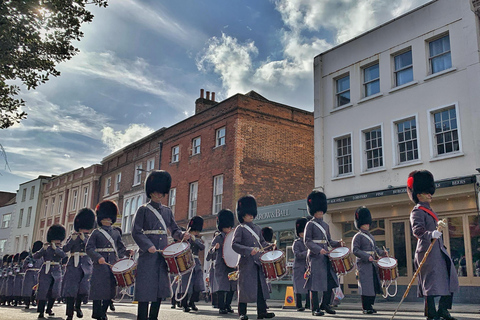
column 184, row 233
column 108, row 264
column 386, row 251
column 159, row 250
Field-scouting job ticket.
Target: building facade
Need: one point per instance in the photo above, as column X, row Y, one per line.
column 402, row 97
column 7, row 210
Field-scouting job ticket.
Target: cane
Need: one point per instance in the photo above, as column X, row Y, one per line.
column 441, row 224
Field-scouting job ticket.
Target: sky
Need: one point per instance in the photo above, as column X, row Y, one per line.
column 142, row 64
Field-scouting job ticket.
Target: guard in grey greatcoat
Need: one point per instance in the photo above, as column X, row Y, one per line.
column 104, row 247
column 50, row 274
column 76, row 281
column 300, row 265
column 3, row 277
column 322, row 276
column 224, row 288
column 11, row 278
column 248, row 241
column 365, row 249
column 150, row 233
column 32, row 267
column 195, row 283
column 19, row 277
column 437, row 276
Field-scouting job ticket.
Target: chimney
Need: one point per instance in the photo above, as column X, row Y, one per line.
column 202, row 103
column 201, row 93
column 213, row 96
column 208, row 95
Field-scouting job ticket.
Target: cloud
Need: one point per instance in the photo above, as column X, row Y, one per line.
column 115, row 140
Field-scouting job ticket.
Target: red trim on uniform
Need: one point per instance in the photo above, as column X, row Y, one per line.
column 430, row 212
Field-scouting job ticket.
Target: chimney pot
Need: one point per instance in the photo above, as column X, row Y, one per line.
column 208, row 95
column 201, row 93
column 213, row 96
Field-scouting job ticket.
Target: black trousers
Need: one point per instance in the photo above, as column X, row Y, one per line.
column 143, row 312
column 368, row 302
column 225, row 299
column 42, row 303
column 298, row 300
column 261, row 303
column 73, row 304
column 444, row 304
column 99, row 308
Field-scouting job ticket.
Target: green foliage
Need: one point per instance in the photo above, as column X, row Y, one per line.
column 35, row 36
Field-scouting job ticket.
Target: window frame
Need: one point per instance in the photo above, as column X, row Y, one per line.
column 52, row 206
column 172, row 199
column 137, row 178
column 430, row 58
column 175, row 154
column 395, row 142
column 74, row 199
column 395, row 71
column 431, row 130
column 366, row 83
column 216, row 203
column 32, row 192
column 339, row 93
column 85, row 196
column 24, row 194
column 219, row 139
column 108, row 185
column 29, row 217
column 118, row 180
column 60, row 203
column 20, row 219
column 150, row 164
column 196, row 148
column 46, row 207
column 335, row 168
column 192, row 199
column 363, row 148
column 6, row 222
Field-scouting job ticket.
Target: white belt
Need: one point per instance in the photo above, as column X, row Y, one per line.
column 370, row 252
column 76, row 258
column 105, row 250
column 195, row 256
column 48, row 264
column 319, row 241
column 33, row 269
column 154, row 232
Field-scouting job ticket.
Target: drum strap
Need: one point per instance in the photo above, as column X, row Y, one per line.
column 253, row 233
column 366, row 236
column 158, row 215
column 109, row 238
column 321, row 229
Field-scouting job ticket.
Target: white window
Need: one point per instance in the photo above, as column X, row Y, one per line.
column 196, row 146
column 131, row 205
column 17, row 244
column 53, row 206
column 172, row 199
column 32, row 192
column 108, row 185
column 406, row 140
column 46, row 207
column 220, row 137
column 373, row 148
column 342, row 86
column 446, row 134
column 403, row 68
column 440, row 57
column 343, row 155
column 217, row 193
column 74, row 199
column 29, row 217
column 138, row 175
column 60, row 203
column 42, row 232
column 85, row 197
column 20, row 218
column 151, row 165
column 118, row 179
column 25, row 243
column 371, row 80
column 175, row 154
column 126, row 213
column 192, row 204
column 3, row 242
column 24, row 194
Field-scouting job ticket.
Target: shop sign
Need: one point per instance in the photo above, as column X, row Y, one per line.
column 273, row 214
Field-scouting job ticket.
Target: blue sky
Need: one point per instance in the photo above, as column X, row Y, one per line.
column 143, row 62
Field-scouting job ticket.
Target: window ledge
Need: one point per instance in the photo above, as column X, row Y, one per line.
column 373, row 96
column 448, row 156
column 406, row 85
column 136, row 184
column 438, row 74
column 351, row 175
column 407, row 164
column 373, row 171
column 345, row 106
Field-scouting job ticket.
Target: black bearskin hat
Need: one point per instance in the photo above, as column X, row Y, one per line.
column 23, row 255
column 317, row 201
column 300, row 225
column 56, row 232
column 16, row 257
column 5, row 258
column 225, row 219
column 362, row 216
column 85, row 219
column 246, row 205
column 10, row 258
column 196, row 224
column 106, row 210
column 267, row 234
column 158, row 181
column 37, row 245
column 420, row 182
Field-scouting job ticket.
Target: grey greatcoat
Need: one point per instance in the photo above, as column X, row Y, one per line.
column 363, row 249
column 249, row 267
column 319, row 264
column 196, row 282
column 299, row 266
column 2, row 281
column 103, row 283
column 76, row 280
column 221, row 270
column 31, row 267
column 211, row 270
column 53, row 256
column 19, row 276
column 152, row 282
column 10, row 281
column 437, row 276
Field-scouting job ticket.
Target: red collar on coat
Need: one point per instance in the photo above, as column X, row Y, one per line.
column 430, row 212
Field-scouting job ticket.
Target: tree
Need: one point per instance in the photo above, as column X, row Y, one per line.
column 35, row 36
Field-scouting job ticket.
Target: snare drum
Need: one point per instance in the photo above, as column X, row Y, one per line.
column 274, row 264
column 230, row 257
column 341, row 259
column 124, row 271
column 179, row 258
column 387, row 268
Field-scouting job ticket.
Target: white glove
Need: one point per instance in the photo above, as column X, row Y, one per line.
column 436, row 234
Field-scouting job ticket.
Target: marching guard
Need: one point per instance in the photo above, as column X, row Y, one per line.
column 300, row 265
column 19, row 278
column 32, row 267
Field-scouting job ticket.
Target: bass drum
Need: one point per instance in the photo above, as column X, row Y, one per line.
column 230, row 257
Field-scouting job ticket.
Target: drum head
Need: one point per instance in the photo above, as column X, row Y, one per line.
column 271, row 256
column 387, row 262
column 175, row 248
column 230, row 257
column 122, row 265
column 339, row 252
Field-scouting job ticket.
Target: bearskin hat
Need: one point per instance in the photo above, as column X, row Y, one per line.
column 300, row 225
column 420, row 181
column 37, row 245
column 196, row 224
column 362, row 216
column 158, row 181
column 106, row 210
column 9, row 258
column 5, row 258
column 246, row 204
column 56, row 232
column 316, row 201
column 85, row 219
column 23, row 255
column 267, row 234
column 16, row 257
column 225, row 219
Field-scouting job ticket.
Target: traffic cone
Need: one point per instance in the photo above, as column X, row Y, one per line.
column 289, row 299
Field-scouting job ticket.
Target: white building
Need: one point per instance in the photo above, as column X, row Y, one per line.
column 402, row 97
column 28, row 205
column 7, row 209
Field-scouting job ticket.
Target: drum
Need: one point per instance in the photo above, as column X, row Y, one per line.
column 274, row 264
column 387, row 268
column 230, row 257
column 124, row 271
column 179, row 258
column 341, row 259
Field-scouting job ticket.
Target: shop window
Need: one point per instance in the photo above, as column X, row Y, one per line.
column 474, row 225
column 457, row 245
